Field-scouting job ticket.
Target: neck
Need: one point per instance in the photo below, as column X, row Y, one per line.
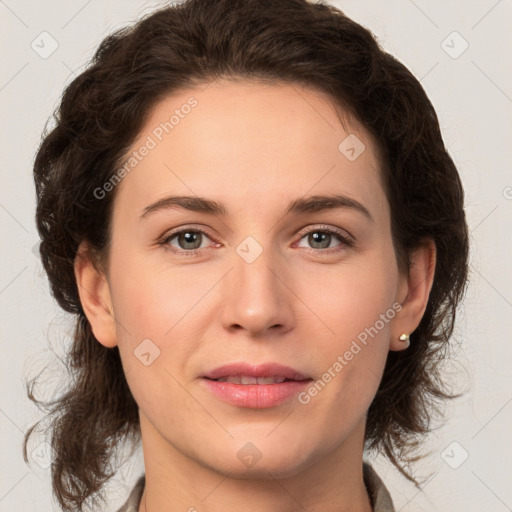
column 178, row 482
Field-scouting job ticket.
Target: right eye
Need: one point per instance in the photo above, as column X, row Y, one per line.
column 188, row 240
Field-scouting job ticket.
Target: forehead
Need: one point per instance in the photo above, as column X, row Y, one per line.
column 253, row 144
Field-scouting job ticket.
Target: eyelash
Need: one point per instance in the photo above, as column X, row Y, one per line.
column 345, row 241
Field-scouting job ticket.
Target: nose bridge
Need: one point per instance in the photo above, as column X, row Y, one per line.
column 257, row 299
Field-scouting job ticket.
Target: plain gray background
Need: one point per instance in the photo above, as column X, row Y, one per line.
column 468, row 468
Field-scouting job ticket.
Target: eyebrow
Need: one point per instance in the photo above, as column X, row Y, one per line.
column 310, row 204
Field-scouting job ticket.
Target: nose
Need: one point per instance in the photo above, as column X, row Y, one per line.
column 256, row 297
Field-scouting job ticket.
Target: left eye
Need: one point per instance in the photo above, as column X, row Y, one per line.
column 322, row 238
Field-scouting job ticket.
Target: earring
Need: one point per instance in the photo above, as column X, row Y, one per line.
column 405, row 338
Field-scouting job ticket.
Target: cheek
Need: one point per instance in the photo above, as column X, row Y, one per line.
column 351, row 358
column 356, row 306
column 163, row 306
column 155, row 335
column 150, row 299
column 351, row 296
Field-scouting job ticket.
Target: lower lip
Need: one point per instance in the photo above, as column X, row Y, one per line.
column 256, row 396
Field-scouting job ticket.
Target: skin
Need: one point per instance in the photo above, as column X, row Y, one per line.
column 255, row 148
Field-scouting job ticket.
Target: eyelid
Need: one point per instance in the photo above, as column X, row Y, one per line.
column 343, row 233
column 191, row 227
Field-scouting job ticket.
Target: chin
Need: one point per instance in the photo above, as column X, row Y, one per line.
column 263, row 459
column 264, row 469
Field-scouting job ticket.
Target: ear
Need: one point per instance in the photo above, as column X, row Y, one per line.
column 94, row 292
column 414, row 291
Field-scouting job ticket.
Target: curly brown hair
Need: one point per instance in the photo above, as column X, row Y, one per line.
column 103, row 110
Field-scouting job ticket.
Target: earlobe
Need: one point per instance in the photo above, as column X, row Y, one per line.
column 417, row 288
column 94, row 292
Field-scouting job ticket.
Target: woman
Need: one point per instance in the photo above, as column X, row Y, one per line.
column 249, row 207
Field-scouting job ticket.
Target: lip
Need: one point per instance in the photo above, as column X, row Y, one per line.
column 255, row 396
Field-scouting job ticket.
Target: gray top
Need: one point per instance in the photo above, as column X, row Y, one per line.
column 379, row 495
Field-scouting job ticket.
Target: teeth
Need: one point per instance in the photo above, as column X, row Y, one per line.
column 270, row 380
column 248, row 380
column 243, row 379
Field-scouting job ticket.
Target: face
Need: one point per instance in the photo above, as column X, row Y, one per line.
column 259, row 331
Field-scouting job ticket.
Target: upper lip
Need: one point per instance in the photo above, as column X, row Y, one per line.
column 260, row 370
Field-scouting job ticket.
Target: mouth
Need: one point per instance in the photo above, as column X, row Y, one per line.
column 256, row 387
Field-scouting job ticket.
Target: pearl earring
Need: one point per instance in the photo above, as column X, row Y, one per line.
column 405, row 338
